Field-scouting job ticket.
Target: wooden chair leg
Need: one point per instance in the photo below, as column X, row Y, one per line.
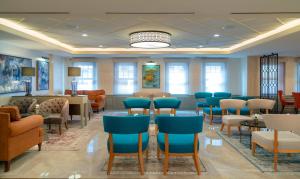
column 59, row 129
column 239, row 128
column 158, row 153
column 229, row 130
column 197, row 163
column 66, row 125
column 147, row 153
column 275, row 161
column 71, row 117
column 40, row 146
column 166, row 163
column 253, row 148
column 222, row 127
column 211, row 119
column 141, row 162
column 7, row 166
column 110, row 163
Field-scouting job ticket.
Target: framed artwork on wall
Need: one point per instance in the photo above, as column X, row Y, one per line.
column 42, row 80
column 151, row 76
column 11, row 80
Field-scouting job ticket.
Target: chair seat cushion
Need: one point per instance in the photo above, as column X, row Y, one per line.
column 128, row 143
column 202, row 104
column 215, row 111
column 243, row 111
column 286, row 139
column 234, row 119
column 178, row 143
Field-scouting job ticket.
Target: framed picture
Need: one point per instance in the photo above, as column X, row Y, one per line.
column 151, row 76
column 11, row 80
column 42, row 80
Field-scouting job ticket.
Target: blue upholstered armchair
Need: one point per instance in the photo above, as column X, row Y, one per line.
column 201, row 100
column 170, row 104
column 213, row 109
column 128, row 135
column 222, row 94
column 178, row 136
column 135, row 105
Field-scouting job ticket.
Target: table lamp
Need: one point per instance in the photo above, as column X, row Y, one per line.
column 74, row 72
column 30, row 72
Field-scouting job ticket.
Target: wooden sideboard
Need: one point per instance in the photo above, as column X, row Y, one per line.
column 81, row 100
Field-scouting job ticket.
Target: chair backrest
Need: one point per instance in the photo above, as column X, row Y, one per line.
column 25, row 105
column 245, row 98
column 282, row 122
column 297, row 99
column 200, row 95
column 222, row 94
column 232, row 103
column 180, row 124
column 161, row 94
column 54, row 105
column 214, row 101
column 281, row 97
column 167, row 102
column 126, row 124
column 260, row 104
column 137, row 103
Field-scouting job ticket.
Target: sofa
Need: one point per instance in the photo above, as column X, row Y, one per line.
column 96, row 97
column 18, row 134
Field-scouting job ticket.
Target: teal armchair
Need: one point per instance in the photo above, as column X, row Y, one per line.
column 172, row 104
column 201, row 100
column 213, row 109
column 178, row 136
column 134, row 104
column 128, row 136
column 222, row 94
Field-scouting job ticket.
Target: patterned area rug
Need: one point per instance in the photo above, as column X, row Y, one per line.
column 129, row 166
column 263, row 159
column 71, row 140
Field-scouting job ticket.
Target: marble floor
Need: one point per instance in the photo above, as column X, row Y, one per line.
column 219, row 158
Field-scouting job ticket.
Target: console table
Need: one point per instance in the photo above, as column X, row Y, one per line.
column 81, row 100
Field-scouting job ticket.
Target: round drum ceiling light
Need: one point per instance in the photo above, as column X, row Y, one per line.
column 150, row 39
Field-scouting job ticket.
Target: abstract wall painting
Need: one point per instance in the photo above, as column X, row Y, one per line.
column 11, row 80
column 42, row 80
column 151, row 76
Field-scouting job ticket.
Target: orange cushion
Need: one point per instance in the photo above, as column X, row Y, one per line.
column 13, row 111
column 26, row 124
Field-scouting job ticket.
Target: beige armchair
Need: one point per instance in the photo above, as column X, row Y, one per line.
column 282, row 138
column 55, row 111
column 232, row 120
column 255, row 105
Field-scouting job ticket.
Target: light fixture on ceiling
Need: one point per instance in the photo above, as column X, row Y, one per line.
column 216, row 35
column 150, row 63
column 200, row 46
column 150, row 39
column 84, row 35
column 100, row 46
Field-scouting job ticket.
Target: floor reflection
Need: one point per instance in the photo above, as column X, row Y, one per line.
column 212, row 141
column 93, row 144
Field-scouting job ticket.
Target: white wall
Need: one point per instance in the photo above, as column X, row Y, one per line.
column 106, row 73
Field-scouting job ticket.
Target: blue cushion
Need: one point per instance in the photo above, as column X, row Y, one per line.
column 199, row 95
column 244, row 111
column 157, row 117
column 168, row 102
column 215, row 111
column 128, row 143
column 137, row 103
column 222, row 94
column 178, row 143
column 202, row 104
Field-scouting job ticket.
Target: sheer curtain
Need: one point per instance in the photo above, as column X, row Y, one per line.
column 215, row 76
column 88, row 78
column 125, row 81
column 177, row 77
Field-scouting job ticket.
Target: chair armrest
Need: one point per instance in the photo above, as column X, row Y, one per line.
column 4, row 124
column 99, row 98
column 26, row 124
column 65, row 111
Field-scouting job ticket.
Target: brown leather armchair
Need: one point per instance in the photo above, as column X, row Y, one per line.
column 96, row 97
column 18, row 134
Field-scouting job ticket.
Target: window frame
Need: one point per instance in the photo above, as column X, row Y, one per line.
column 117, row 80
column 94, row 74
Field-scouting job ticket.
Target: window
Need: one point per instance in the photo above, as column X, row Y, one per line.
column 215, row 77
column 125, row 78
column 88, row 78
column 177, row 78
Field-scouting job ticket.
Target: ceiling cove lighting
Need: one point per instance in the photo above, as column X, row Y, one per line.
column 150, row 39
column 150, row 63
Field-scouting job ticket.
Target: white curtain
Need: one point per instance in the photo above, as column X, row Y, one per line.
column 215, row 76
column 125, row 81
column 88, row 78
column 177, row 77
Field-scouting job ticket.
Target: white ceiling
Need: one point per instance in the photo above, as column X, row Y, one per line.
column 203, row 19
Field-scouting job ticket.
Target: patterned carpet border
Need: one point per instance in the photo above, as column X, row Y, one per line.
column 263, row 160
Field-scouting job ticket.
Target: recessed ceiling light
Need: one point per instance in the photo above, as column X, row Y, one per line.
column 216, row 35
column 100, row 46
column 84, row 35
column 200, row 46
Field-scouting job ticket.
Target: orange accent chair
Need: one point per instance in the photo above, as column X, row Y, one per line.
column 283, row 101
column 18, row 134
column 96, row 97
